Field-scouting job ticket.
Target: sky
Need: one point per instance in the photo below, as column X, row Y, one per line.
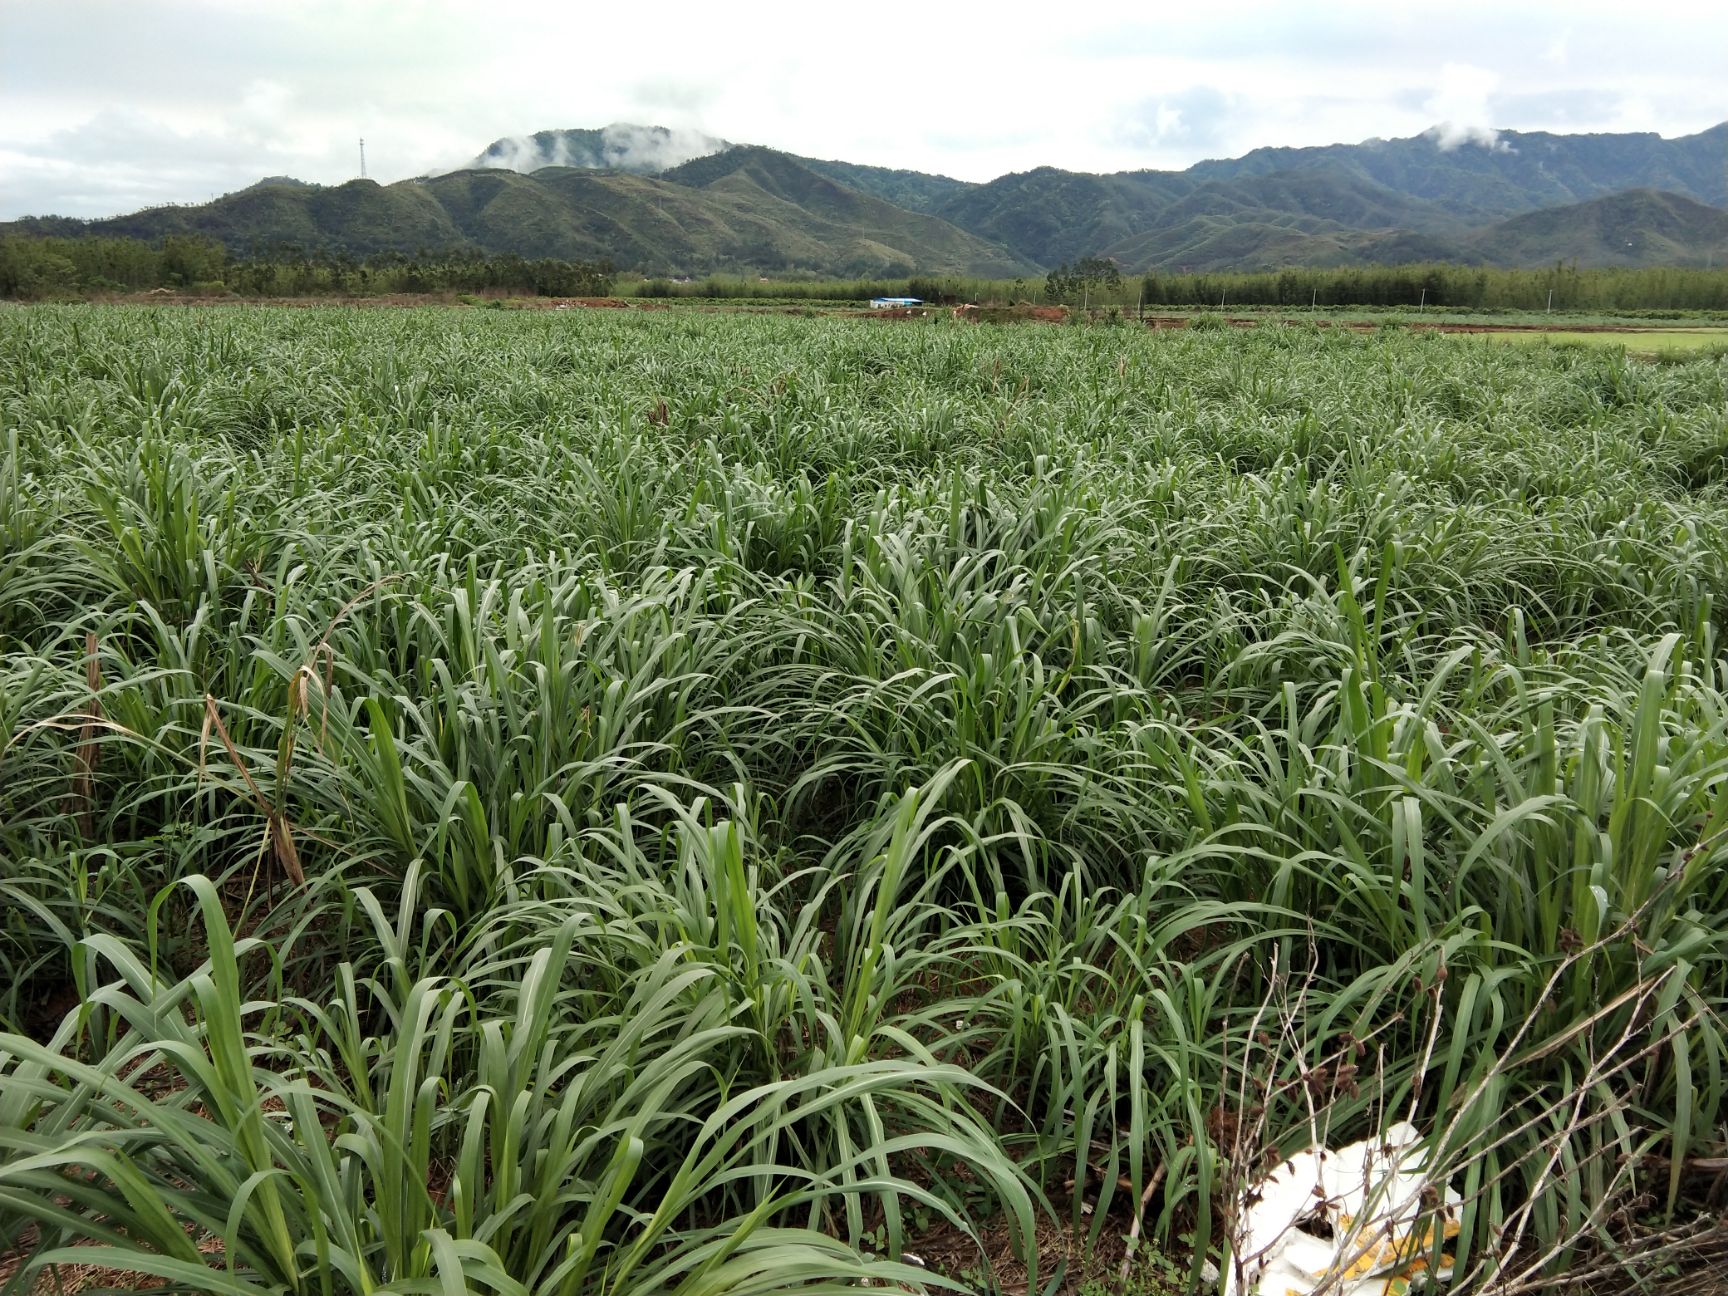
column 107, row 106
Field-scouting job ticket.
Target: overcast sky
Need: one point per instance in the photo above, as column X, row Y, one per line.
column 110, row 105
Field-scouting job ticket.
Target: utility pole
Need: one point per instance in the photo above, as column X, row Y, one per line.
column 362, row 158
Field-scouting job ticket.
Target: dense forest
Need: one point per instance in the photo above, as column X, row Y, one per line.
column 39, row 268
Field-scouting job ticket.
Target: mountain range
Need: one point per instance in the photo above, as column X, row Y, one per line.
column 669, row 202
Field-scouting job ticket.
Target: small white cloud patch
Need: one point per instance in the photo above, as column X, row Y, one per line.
column 1460, row 104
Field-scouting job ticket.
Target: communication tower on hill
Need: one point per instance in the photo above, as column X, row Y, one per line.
column 362, row 158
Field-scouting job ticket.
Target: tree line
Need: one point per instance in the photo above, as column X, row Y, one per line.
column 1562, row 287
column 34, row 267
column 1100, row 283
column 38, row 268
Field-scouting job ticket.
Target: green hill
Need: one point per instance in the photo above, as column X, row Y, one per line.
column 1374, row 202
column 1521, row 171
column 1049, row 216
column 651, row 150
column 1639, row 228
column 866, row 233
column 1286, row 218
column 742, row 209
column 361, row 217
column 1210, row 244
column 914, row 190
column 1311, row 200
column 668, row 202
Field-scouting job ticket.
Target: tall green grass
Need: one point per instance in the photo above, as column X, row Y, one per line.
column 675, row 803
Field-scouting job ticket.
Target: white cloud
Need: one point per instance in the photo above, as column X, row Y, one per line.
column 622, row 145
column 1460, row 107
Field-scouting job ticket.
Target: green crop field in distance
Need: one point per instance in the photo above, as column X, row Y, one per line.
column 637, row 802
column 1637, row 340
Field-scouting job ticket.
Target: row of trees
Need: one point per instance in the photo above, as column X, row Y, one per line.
column 47, row 267
column 1563, row 286
column 943, row 290
column 35, row 268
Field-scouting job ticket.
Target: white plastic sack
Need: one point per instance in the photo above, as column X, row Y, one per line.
column 1353, row 1216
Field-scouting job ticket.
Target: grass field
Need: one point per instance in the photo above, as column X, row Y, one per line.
column 1644, row 341
column 624, row 802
